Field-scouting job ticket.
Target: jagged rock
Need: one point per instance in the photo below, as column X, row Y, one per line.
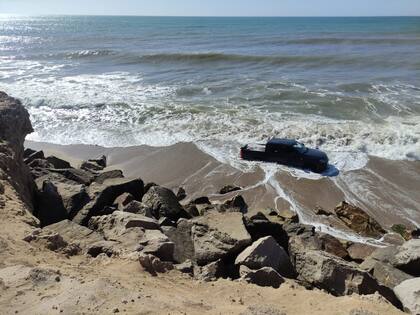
column 210, row 272
column 229, row 188
column 40, row 164
column 154, row 265
column 51, row 241
column 385, row 254
column 109, row 248
column 28, row 152
column 74, row 233
column 264, row 277
column 358, row 220
column 123, row 220
column 192, row 210
column 57, row 162
column 388, row 275
column 359, row 252
column 103, row 195
column 181, row 194
column 288, row 214
column 408, row 292
column 321, row 211
column 158, row 244
column 37, row 155
column 201, row 201
column 217, row 235
column 328, row 272
column 163, row 221
column 77, row 175
column 50, row 208
column 103, row 176
column 123, row 200
column 259, row 226
column 181, row 236
column 138, row 208
column 266, row 252
column 91, row 166
column 74, row 197
column 185, row 267
column 148, row 186
column 14, row 126
column 304, row 237
column 408, row 257
column 163, row 202
column 236, row 204
column 393, row 239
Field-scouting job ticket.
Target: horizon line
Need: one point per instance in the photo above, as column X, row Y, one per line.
column 211, row 16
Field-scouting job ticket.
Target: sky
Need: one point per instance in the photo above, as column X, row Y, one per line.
column 214, row 7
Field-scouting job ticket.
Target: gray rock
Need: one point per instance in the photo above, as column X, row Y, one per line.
column 158, row 244
column 181, row 236
column 201, row 201
column 124, row 220
column 91, row 166
column 123, row 200
column 185, row 267
column 408, row 292
column 138, row 208
column 163, row 202
column 77, row 175
column 264, row 277
column 50, row 205
column 328, row 272
column 103, row 176
column 216, row 235
column 35, row 156
column 103, row 195
column 388, row 275
column 408, row 257
column 359, row 252
column 236, row 204
column 109, row 248
column 74, row 197
column 154, row 265
column 57, row 162
column 229, row 188
column 384, row 254
column 210, row 272
column 266, row 252
column 181, row 194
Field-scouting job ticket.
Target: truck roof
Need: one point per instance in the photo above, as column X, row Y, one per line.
column 280, row 141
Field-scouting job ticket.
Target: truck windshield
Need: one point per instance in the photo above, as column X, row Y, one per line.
column 300, row 147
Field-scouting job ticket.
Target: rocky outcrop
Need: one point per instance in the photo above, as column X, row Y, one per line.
column 325, row 271
column 266, row 252
column 408, row 257
column 409, row 294
column 263, row 277
column 103, row 195
column 14, row 126
column 358, row 220
column 217, row 235
column 163, row 203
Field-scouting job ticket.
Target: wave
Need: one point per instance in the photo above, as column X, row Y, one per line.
column 355, row 41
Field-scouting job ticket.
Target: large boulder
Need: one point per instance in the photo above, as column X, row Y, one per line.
column 14, row 126
column 103, row 176
column 303, row 237
column 163, row 203
column 328, row 272
column 57, row 162
column 408, row 257
column 156, row 243
column 408, row 293
column 103, row 195
column 211, row 271
column 358, row 220
column 74, row 197
column 266, row 252
column 263, row 277
column 50, row 208
column 218, row 235
column 77, row 175
column 181, row 236
column 359, row 252
column 260, row 226
column 388, row 275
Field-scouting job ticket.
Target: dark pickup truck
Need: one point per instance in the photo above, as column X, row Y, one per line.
column 288, row 152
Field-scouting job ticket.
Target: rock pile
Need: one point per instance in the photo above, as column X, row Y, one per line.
column 90, row 210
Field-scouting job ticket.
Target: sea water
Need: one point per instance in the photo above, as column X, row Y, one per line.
column 350, row 86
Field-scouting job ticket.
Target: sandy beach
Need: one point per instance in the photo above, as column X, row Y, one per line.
column 383, row 188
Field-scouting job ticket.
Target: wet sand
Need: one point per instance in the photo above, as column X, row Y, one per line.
column 388, row 190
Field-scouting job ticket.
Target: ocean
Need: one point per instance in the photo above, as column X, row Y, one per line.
column 350, row 86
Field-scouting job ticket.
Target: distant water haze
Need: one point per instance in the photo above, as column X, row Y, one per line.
column 350, row 86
